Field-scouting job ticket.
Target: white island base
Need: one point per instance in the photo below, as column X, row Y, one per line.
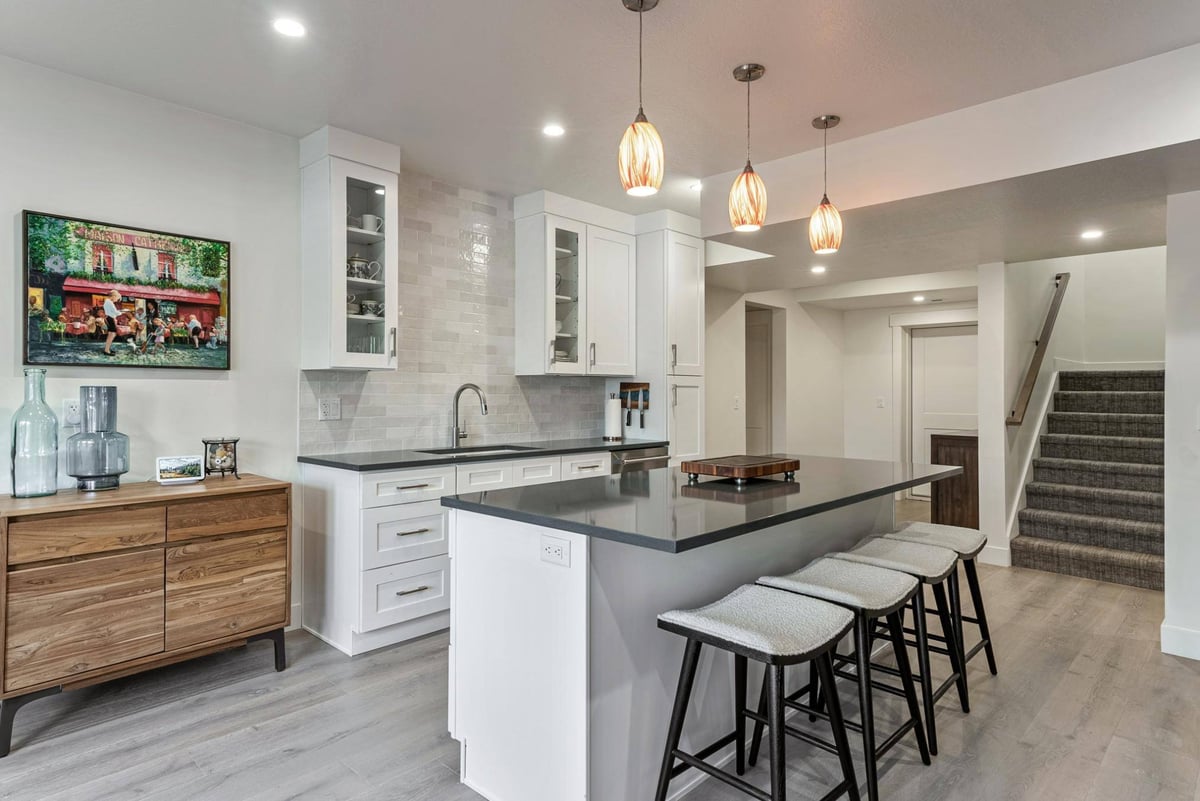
column 561, row 683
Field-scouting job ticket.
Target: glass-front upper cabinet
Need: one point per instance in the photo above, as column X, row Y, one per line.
column 565, row 315
column 350, row 256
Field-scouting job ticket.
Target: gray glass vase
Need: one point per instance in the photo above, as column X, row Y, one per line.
column 34, row 441
column 98, row 454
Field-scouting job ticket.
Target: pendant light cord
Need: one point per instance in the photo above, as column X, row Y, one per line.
column 747, row 122
column 825, row 150
column 641, row 11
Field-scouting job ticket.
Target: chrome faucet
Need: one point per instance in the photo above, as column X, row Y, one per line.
column 458, row 433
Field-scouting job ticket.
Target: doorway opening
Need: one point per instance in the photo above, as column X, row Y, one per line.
column 766, row 423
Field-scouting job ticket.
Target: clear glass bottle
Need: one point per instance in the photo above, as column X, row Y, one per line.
column 34, row 441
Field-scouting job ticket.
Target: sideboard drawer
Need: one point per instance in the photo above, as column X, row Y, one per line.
column 395, row 534
column 406, row 486
column 38, row 539
column 226, row 515
column 77, row 617
column 222, row 587
column 405, row 592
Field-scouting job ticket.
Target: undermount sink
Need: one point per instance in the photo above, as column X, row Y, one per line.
column 480, row 450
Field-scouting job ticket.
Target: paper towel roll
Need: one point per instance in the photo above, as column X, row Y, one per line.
column 612, row 420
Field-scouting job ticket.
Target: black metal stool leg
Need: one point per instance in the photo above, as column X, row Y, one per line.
column 896, row 628
column 739, row 710
column 923, row 667
column 276, row 638
column 838, row 724
column 683, row 693
column 862, row 655
column 756, row 738
column 776, row 734
column 956, row 665
column 956, row 617
column 813, row 690
column 980, row 614
column 8, row 713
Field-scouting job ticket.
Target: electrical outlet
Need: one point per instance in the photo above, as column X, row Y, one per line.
column 879, row 403
column 737, row 403
column 70, row 412
column 556, row 551
column 329, row 409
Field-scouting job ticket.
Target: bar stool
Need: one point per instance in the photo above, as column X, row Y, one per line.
column 967, row 543
column 932, row 566
column 871, row 593
column 777, row 629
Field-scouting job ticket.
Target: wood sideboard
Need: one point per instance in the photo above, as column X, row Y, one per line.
column 99, row 585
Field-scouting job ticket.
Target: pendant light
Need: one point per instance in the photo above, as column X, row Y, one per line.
column 640, row 159
column 748, row 195
column 825, row 225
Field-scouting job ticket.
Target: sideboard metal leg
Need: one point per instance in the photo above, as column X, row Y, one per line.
column 8, row 712
column 276, row 638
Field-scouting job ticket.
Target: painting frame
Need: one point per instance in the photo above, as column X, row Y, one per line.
column 152, row 270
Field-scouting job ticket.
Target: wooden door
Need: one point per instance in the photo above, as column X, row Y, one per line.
column 955, row 501
column 943, row 388
column 221, row 587
column 68, row 619
column 611, row 302
column 685, row 304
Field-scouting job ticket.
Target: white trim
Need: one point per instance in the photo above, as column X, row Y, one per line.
column 1034, row 450
column 995, row 555
column 1061, row 364
column 667, row 220
column 1178, row 641
column 543, row 202
column 934, row 318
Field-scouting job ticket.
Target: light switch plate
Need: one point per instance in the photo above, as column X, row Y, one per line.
column 329, row 409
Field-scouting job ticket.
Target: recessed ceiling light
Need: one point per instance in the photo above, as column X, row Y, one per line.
column 918, row 298
column 554, row 129
column 818, row 269
column 1091, row 233
column 379, row 191
column 288, row 27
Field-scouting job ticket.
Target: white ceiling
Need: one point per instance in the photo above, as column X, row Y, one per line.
column 1032, row 217
column 465, row 87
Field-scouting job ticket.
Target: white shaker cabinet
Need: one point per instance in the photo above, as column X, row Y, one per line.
column 611, row 302
column 685, row 304
column 685, row 420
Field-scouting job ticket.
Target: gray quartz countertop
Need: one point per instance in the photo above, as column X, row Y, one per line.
column 659, row 509
column 396, row 459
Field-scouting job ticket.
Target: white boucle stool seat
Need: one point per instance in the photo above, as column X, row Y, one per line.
column 927, row 562
column 966, row 542
column 874, row 590
column 768, row 622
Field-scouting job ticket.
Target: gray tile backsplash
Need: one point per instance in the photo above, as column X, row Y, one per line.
column 455, row 296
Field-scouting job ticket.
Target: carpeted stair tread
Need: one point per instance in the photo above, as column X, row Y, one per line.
column 1147, row 450
column 1137, row 402
column 1100, row 502
column 1105, row 532
column 1106, row 425
column 1089, row 561
column 1112, row 380
column 1091, row 473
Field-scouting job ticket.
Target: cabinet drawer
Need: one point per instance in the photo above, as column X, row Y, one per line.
column 227, row 515
column 55, row 536
column 406, row 486
column 536, row 471
column 395, row 594
column 395, row 534
column 220, row 588
column 582, row 465
column 68, row 619
column 484, row 476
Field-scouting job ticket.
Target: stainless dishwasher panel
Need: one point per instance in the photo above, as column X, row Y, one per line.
column 639, row 459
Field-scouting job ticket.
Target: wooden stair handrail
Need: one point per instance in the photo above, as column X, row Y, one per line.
column 1021, row 405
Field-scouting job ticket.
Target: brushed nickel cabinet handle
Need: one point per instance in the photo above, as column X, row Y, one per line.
column 401, row 488
column 413, row 591
column 588, row 467
column 592, row 347
column 552, row 357
column 674, row 394
column 392, row 334
column 410, row 533
column 674, row 355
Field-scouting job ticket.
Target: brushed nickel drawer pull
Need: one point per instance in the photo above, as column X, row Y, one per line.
column 410, row 533
column 411, row 486
column 588, row 467
column 413, row 591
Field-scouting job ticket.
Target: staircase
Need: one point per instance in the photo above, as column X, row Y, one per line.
column 1095, row 505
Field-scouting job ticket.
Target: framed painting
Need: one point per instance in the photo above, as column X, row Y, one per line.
column 113, row 296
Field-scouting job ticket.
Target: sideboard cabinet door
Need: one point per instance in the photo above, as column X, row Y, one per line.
column 221, row 587
column 68, row 619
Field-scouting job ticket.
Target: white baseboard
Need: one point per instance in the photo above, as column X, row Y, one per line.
column 1070, row 364
column 995, row 555
column 1178, row 641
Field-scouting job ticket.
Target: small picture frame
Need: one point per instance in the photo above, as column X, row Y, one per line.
column 179, row 469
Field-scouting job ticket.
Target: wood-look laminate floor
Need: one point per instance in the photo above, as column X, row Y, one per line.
column 1085, row 709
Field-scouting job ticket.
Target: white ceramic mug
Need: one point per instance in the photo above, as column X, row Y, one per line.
column 372, row 223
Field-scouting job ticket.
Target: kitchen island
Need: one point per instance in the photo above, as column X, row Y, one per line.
column 560, row 681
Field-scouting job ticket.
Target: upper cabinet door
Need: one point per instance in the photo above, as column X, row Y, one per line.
column 611, row 302
column 566, row 288
column 685, row 304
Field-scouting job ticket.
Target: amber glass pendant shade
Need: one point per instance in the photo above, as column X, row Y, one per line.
column 825, row 228
column 748, row 201
column 640, row 158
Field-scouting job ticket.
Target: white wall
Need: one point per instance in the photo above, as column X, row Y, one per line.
column 1181, row 627
column 725, row 365
column 1124, row 300
column 78, row 148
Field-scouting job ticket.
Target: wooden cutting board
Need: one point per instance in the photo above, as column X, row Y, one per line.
column 741, row 467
